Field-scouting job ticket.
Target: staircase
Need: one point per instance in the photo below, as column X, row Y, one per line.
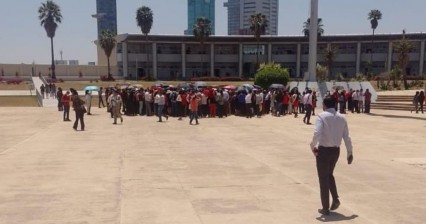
column 393, row 102
column 44, row 101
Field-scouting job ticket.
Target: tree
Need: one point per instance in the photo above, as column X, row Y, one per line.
column 321, row 73
column 201, row 31
column 107, row 43
column 145, row 19
column 258, row 25
column 307, row 25
column 330, row 55
column 271, row 73
column 403, row 47
column 374, row 16
column 50, row 15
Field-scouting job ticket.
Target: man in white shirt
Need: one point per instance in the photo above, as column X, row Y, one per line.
column 307, row 102
column 330, row 128
column 249, row 109
column 148, row 101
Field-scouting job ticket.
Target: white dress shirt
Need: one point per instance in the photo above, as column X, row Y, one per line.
column 307, row 99
column 330, row 128
column 248, row 98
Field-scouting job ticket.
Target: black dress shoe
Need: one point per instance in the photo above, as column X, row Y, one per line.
column 324, row 211
column 335, row 205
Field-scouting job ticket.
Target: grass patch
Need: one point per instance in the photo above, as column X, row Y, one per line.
column 18, row 101
column 21, row 86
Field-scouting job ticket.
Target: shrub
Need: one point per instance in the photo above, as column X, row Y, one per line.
column 321, row 73
column 232, row 78
column 206, row 78
column 105, row 78
column 271, row 73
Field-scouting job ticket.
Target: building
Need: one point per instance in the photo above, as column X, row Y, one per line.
column 61, row 62
column 239, row 12
column 200, row 8
column 106, row 14
column 73, row 62
column 182, row 57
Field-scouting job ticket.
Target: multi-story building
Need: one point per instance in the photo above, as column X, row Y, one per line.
column 106, row 14
column 182, row 57
column 200, row 8
column 239, row 12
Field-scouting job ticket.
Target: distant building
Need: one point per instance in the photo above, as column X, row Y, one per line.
column 106, row 14
column 239, row 12
column 61, row 62
column 91, row 63
column 200, row 8
column 73, row 62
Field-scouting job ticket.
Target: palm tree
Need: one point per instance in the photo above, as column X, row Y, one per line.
column 307, row 25
column 201, row 31
column 403, row 48
column 330, row 55
column 374, row 16
column 144, row 19
column 107, row 42
column 50, row 15
column 258, row 25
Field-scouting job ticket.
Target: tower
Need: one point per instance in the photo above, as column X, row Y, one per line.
column 200, row 8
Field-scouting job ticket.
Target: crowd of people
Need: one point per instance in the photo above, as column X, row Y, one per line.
column 352, row 100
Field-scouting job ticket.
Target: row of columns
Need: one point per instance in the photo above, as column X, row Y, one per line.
column 269, row 58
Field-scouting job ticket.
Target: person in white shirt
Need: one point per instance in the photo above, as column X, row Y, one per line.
column 148, row 101
column 307, row 102
column 88, row 101
column 355, row 100
column 226, row 102
column 115, row 102
column 330, row 128
column 361, row 101
column 161, row 102
column 249, row 109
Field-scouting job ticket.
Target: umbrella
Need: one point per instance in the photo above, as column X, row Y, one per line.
column 200, row 84
column 338, row 87
column 276, row 86
column 139, row 86
column 230, row 87
column 91, row 88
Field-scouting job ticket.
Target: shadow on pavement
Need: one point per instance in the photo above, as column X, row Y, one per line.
column 396, row 116
column 335, row 217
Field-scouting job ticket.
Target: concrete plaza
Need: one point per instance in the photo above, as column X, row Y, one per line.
column 232, row 170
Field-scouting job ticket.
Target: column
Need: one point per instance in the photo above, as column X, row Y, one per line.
column 211, row 59
column 358, row 57
column 298, row 60
column 422, row 57
column 125, row 54
column 183, row 53
column 313, row 41
column 240, row 60
column 389, row 60
column 154, row 60
column 269, row 53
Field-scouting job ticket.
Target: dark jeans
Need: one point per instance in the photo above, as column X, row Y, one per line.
column 355, row 106
column 66, row 112
column 101, row 101
column 194, row 115
column 79, row 115
column 248, row 110
column 326, row 161
column 308, row 113
column 366, row 107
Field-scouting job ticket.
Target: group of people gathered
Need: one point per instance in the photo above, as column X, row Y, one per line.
column 352, row 100
column 418, row 101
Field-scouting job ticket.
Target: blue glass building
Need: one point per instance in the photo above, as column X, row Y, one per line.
column 200, row 8
column 106, row 14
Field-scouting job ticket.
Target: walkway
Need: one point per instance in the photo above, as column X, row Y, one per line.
column 231, row 170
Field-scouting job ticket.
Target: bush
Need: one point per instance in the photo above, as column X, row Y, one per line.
column 206, row 78
column 105, row 78
column 232, row 79
column 271, row 73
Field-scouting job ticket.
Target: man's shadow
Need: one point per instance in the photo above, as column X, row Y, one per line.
column 335, row 217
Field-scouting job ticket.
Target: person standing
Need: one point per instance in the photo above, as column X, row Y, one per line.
column 42, row 90
column 101, row 99
column 115, row 103
column 421, row 100
column 193, row 104
column 249, row 109
column 66, row 99
column 78, row 105
column 161, row 101
column 330, row 128
column 88, row 101
column 59, row 95
column 307, row 102
column 416, row 102
column 148, row 101
column 367, row 101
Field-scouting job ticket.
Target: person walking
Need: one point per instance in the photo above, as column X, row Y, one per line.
column 59, row 95
column 367, row 101
column 88, row 101
column 66, row 99
column 307, row 102
column 101, row 99
column 416, row 102
column 78, row 105
column 330, row 128
column 115, row 103
column 421, row 101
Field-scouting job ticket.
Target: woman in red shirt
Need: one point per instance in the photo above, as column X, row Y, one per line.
column 66, row 99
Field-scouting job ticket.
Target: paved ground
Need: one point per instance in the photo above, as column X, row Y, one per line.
column 232, row 170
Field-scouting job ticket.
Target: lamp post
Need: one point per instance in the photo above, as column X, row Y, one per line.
column 313, row 40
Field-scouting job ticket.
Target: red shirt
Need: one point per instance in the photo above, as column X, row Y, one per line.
column 66, row 99
column 286, row 99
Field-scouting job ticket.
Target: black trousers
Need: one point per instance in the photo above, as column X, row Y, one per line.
column 326, row 161
column 66, row 112
column 308, row 113
column 79, row 115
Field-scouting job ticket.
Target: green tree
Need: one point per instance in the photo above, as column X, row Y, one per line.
column 321, row 73
column 258, row 25
column 403, row 47
column 330, row 55
column 107, row 43
column 202, row 31
column 374, row 16
column 271, row 73
column 50, row 15
column 307, row 25
column 145, row 19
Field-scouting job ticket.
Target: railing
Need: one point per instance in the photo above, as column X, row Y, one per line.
column 39, row 98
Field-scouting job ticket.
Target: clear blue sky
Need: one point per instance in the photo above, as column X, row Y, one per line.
column 23, row 40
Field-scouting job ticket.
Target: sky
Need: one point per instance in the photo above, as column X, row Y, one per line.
column 23, row 40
